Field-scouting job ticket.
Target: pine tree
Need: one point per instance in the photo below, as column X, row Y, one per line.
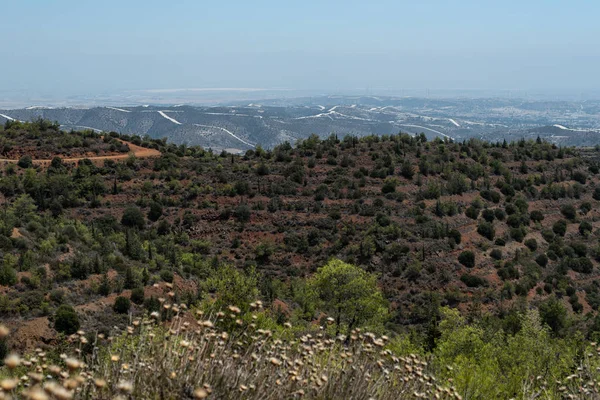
column 104, row 288
column 129, row 282
column 145, row 276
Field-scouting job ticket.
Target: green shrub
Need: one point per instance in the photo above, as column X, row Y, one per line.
column 509, row 272
column 455, row 235
column 536, row 216
column 579, row 248
column 488, row 215
column 4, row 350
column 542, row 260
column 581, row 264
column 496, row 254
column 568, row 211
column 585, row 207
column 473, row 281
column 486, row 230
column 166, row 275
column 560, row 227
column 122, row 305
column 133, row 218
column 57, row 296
column 548, row 235
column 137, row 296
column 580, row 177
column 242, row 213
column 467, row 258
column 472, row 212
column 407, row 170
column 517, row 234
column 66, row 320
column 25, row 161
column 152, row 304
column 389, row 186
column 499, row 214
column 585, row 227
column 8, row 275
column 531, row 244
column 553, row 314
column 155, row 211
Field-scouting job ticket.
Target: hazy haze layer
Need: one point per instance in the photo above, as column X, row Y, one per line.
column 59, row 49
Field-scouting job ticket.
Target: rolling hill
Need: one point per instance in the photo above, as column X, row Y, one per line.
column 239, row 127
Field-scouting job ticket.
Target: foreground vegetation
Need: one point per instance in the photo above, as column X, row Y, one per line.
column 202, row 360
column 230, row 354
column 480, row 259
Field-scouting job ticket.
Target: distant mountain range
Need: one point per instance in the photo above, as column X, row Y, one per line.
column 239, row 127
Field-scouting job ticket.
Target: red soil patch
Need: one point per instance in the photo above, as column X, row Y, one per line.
column 138, row 151
column 31, row 334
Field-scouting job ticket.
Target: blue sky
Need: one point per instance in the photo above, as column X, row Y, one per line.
column 83, row 47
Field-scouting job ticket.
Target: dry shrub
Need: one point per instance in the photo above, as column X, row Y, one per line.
column 197, row 359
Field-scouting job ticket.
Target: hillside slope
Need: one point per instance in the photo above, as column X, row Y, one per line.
column 471, row 223
column 439, row 234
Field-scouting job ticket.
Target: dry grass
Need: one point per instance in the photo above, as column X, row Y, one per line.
column 198, row 359
column 224, row 357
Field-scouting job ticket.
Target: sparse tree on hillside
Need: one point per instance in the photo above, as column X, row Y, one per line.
column 232, row 287
column 349, row 294
column 407, row 170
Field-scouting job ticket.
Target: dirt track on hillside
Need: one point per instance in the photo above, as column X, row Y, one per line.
column 138, row 151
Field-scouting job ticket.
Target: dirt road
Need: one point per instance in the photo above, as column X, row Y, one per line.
column 138, row 151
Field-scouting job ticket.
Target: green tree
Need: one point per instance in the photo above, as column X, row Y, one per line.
column 367, row 247
column 122, row 305
column 568, row 210
column 137, row 295
column 493, row 364
column 79, row 269
column 554, row 314
column 24, row 207
column 8, row 275
column 472, row 212
column 407, row 170
column 536, row 216
column 467, row 258
column 25, row 161
column 349, row 294
column 262, row 169
column 486, row 229
column 133, row 218
column 129, row 281
column 389, row 186
column 560, row 227
column 242, row 213
column 155, row 212
column 104, row 288
column 232, row 287
column 66, row 320
column 585, row 227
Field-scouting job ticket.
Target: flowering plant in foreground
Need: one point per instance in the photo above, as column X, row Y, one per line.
column 194, row 358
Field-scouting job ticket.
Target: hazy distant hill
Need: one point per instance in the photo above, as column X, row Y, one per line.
column 270, row 122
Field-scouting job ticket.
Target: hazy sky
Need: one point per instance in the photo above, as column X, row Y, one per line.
column 84, row 47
